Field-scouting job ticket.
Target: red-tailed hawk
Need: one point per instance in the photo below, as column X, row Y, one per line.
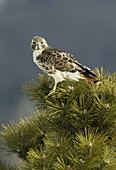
column 58, row 64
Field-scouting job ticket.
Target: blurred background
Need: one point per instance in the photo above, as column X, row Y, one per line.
column 86, row 29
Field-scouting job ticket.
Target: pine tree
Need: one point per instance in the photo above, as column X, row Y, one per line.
column 72, row 129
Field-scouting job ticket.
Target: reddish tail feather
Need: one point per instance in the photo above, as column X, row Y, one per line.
column 90, row 78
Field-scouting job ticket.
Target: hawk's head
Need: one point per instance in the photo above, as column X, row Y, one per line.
column 38, row 43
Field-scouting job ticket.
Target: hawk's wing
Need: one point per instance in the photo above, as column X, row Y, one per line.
column 62, row 61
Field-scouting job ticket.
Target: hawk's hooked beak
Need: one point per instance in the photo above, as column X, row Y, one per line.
column 38, row 44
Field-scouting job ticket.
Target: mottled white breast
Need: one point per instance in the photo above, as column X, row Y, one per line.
column 36, row 53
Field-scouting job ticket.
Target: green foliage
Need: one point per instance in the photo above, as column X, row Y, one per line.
column 90, row 151
column 20, row 138
column 72, row 129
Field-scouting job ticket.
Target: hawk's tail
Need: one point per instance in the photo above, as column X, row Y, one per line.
column 90, row 78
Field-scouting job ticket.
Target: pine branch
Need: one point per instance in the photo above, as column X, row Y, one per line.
column 72, row 129
column 20, row 138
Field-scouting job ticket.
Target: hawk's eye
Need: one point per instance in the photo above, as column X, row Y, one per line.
column 34, row 43
column 41, row 42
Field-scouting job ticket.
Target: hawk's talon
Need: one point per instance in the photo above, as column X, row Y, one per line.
column 52, row 91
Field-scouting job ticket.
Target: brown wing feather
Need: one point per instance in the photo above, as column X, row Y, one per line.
column 60, row 60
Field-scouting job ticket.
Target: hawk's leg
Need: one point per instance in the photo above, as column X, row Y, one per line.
column 53, row 91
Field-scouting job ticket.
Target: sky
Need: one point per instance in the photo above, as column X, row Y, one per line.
column 85, row 28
